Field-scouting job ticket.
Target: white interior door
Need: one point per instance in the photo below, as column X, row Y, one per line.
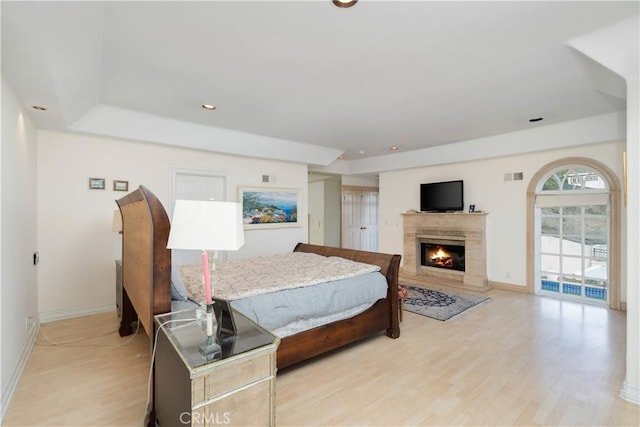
column 351, row 220
column 196, row 185
column 369, row 221
column 193, row 186
column 360, row 220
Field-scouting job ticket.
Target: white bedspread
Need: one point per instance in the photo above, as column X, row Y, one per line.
column 259, row 275
column 291, row 311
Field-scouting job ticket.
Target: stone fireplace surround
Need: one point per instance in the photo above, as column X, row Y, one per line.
column 458, row 228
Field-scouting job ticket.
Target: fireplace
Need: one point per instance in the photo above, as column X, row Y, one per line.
column 436, row 255
column 446, row 249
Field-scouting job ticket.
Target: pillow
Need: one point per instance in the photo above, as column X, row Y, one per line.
column 178, row 290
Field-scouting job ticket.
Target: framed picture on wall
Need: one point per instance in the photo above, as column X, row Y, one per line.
column 120, row 185
column 264, row 208
column 96, row 183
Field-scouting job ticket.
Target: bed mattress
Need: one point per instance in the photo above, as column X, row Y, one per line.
column 291, row 293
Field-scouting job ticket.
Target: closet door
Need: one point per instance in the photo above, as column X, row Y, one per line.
column 360, row 219
column 369, row 221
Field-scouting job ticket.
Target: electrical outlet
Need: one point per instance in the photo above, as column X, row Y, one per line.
column 28, row 322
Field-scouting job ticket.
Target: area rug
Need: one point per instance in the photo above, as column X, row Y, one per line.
column 437, row 304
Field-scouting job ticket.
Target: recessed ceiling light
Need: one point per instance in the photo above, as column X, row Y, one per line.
column 360, row 151
column 39, row 108
column 344, row 3
column 537, row 119
column 341, row 157
column 394, row 148
column 208, row 107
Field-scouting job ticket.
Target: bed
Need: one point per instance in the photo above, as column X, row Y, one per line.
column 146, row 278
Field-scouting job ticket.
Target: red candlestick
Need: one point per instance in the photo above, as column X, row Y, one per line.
column 207, row 277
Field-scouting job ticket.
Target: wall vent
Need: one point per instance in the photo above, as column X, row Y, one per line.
column 513, row 176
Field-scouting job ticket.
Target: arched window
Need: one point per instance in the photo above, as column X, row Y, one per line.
column 572, row 209
column 573, row 214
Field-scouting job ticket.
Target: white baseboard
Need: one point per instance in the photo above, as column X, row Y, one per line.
column 7, row 393
column 52, row 316
column 508, row 287
column 630, row 393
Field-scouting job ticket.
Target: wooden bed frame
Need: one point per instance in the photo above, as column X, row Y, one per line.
column 146, row 279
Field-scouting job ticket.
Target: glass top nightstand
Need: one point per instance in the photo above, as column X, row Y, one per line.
column 237, row 388
column 186, row 332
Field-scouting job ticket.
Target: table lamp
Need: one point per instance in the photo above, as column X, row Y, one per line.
column 207, row 226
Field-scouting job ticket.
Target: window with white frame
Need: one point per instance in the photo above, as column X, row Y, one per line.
column 572, row 232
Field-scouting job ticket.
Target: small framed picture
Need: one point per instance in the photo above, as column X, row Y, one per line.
column 96, row 183
column 120, row 185
column 224, row 316
column 472, row 208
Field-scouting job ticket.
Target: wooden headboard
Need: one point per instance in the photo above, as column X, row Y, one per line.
column 146, row 261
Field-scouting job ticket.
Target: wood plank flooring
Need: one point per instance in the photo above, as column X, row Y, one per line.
column 517, row 360
column 90, row 379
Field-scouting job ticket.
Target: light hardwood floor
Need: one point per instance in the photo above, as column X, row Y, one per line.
column 517, row 360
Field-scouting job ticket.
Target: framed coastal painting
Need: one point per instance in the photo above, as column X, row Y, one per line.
column 264, row 208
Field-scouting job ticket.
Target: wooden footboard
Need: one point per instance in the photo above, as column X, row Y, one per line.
column 382, row 316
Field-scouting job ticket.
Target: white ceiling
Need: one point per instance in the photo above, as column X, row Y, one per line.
column 316, row 80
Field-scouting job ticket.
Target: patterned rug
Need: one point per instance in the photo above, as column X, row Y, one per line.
column 439, row 305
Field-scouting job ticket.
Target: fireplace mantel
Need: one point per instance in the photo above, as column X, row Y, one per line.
column 469, row 228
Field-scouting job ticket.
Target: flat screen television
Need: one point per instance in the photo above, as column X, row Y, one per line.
column 442, row 196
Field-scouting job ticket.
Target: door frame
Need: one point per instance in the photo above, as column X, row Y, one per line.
column 614, row 222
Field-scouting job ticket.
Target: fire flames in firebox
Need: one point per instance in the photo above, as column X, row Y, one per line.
column 446, row 256
column 441, row 258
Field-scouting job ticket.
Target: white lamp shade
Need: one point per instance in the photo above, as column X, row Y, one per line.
column 206, row 225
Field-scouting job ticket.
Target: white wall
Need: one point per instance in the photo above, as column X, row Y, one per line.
column 484, row 186
column 18, row 277
column 631, row 387
column 316, row 212
column 332, row 213
column 324, row 211
column 359, row 181
column 77, row 271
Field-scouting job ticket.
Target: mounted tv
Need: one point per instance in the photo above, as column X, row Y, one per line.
column 442, row 196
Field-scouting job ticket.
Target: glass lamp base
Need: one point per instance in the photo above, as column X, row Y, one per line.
column 210, row 349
